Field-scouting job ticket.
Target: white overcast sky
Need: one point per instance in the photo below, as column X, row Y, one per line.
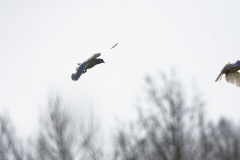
column 42, row 41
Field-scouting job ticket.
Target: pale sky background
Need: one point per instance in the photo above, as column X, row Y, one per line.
column 42, row 41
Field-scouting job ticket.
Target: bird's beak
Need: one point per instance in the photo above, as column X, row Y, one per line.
column 103, row 62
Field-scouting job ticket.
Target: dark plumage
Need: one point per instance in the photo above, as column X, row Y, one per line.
column 94, row 62
column 89, row 63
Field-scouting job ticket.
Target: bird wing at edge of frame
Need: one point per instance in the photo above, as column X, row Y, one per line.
column 109, row 48
column 233, row 78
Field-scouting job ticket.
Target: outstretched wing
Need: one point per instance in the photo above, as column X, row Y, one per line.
column 233, row 78
column 94, row 56
column 109, row 48
column 75, row 76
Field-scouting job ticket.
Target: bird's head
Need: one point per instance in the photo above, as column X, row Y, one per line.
column 74, row 77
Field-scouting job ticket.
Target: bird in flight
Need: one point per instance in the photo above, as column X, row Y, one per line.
column 231, row 73
column 89, row 63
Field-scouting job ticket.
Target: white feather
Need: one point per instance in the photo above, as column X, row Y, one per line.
column 108, row 49
column 233, row 78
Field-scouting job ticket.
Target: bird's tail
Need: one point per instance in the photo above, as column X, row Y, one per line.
column 219, row 77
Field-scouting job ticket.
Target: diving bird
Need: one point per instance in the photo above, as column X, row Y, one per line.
column 231, row 73
column 89, row 63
